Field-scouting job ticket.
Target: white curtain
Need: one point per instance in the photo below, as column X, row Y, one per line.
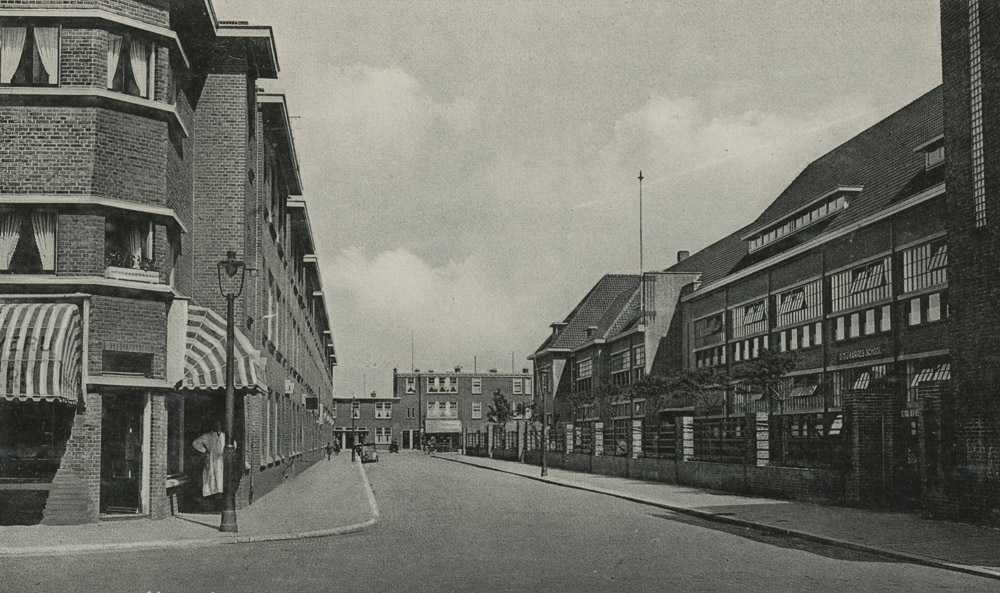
column 10, row 232
column 135, row 245
column 44, row 224
column 47, row 41
column 138, row 54
column 11, row 48
column 114, row 54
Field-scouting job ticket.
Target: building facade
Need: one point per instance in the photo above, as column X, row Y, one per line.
column 446, row 405
column 135, row 145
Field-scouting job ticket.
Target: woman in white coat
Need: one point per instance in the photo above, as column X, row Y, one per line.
column 211, row 444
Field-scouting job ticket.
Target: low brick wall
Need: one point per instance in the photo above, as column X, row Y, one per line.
column 577, row 462
column 810, row 485
column 652, row 469
column 713, row 476
column 505, row 454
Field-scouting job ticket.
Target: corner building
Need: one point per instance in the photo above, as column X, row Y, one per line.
column 132, row 158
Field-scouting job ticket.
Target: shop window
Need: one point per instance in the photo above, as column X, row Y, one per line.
column 29, row 56
column 131, row 65
column 27, row 241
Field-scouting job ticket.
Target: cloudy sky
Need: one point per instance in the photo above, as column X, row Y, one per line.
column 470, row 166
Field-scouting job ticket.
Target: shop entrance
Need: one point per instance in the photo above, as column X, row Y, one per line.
column 121, row 453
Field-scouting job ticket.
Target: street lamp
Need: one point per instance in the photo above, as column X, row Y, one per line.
column 355, row 412
column 545, row 442
column 231, row 275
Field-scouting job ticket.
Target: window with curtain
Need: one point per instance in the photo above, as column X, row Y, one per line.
column 131, row 65
column 128, row 243
column 27, row 241
column 29, row 55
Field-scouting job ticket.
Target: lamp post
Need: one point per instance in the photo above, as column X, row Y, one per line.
column 231, row 275
column 355, row 412
column 545, row 441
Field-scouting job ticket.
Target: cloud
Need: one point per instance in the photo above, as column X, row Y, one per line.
column 379, row 118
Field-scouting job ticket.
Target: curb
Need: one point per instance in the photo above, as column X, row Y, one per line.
column 762, row 527
column 67, row 549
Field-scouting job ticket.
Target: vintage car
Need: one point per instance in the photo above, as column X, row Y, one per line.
column 368, row 453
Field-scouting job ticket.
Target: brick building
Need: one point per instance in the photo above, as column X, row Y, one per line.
column 136, row 152
column 371, row 419
column 848, row 268
column 445, row 405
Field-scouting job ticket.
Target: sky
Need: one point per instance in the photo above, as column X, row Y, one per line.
column 470, row 167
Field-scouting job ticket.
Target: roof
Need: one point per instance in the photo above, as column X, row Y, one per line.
column 277, row 122
column 881, row 160
column 599, row 308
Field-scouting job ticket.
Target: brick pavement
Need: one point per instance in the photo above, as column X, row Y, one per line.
column 327, row 499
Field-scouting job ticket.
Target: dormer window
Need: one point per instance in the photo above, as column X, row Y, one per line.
column 814, row 212
column 933, row 151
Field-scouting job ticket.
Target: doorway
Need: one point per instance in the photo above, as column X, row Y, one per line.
column 121, row 453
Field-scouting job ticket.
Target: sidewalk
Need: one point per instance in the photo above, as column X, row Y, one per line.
column 953, row 546
column 330, row 498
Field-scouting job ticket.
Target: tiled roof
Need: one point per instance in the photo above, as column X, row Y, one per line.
column 611, row 291
column 624, row 308
column 879, row 159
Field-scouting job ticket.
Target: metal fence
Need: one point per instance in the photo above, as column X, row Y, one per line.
column 659, row 441
column 721, row 440
column 808, row 440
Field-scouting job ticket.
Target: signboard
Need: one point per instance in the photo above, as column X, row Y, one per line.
column 436, row 425
column 860, row 353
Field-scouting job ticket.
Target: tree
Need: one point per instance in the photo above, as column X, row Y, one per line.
column 502, row 411
column 765, row 376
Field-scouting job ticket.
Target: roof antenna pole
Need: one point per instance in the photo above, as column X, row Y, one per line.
column 642, row 291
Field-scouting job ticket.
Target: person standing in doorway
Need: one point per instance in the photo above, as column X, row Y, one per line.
column 211, row 445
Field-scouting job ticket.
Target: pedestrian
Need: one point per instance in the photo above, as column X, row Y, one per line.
column 336, row 447
column 211, row 445
column 329, row 450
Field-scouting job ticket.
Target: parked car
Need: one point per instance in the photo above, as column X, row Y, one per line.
column 369, row 454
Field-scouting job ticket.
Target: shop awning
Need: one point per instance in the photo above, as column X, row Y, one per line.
column 42, row 352
column 438, row 426
column 205, row 354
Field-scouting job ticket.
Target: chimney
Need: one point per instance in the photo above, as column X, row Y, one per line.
column 683, row 255
column 493, row 370
column 458, row 369
column 524, row 371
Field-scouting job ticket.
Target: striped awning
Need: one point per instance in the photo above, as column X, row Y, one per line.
column 42, row 352
column 205, row 354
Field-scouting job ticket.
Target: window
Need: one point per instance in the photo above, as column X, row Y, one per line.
column 517, row 387
column 928, row 370
column 933, row 158
column 639, row 357
column 128, row 243
column 976, row 116
column 927, row 308
column 27, row 241
column 477, row 385
column 821, row 209
column 139, row 364
column 383, row 409
column 841, row 329
column 710, row 357
column 800, row 304
column 477, row 410
column 584, row 371
column 411, row 385
column 527, row 386
column 709, row 331
column 131, row 65
column 271, row 307
column 29, row 56
column 749, row 319
column 925, row 266
column 355, row 409
column 861, row 285
column 333, row 411
column 432, row 410
column 383, row 435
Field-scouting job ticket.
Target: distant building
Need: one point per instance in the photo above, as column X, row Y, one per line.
column 446, row 405
column 370, row 419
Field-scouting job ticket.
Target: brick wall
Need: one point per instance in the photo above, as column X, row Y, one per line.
column 33, row 149
column 80, row 244
column 130, row 158
column 128, row 325
column 76, row 489
column 83, row 57
column 159, row 503
column 153, row 12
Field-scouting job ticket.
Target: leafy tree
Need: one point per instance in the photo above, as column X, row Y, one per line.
column 502, row 411
column 765, row 376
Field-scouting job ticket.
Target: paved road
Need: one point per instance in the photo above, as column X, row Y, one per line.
column 448, row 527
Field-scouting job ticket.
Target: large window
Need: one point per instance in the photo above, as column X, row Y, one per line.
column 927, row 370
column 131, row 65
column 749, row 319
column 925, row 266
column 411, row 385
column 709, row 331
column 383, row 409
column 29, row 56
column 477, row 410
column 477, row 385
column 584, row 373
column 861, row 285
column 800, row 304
column 27, row 241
